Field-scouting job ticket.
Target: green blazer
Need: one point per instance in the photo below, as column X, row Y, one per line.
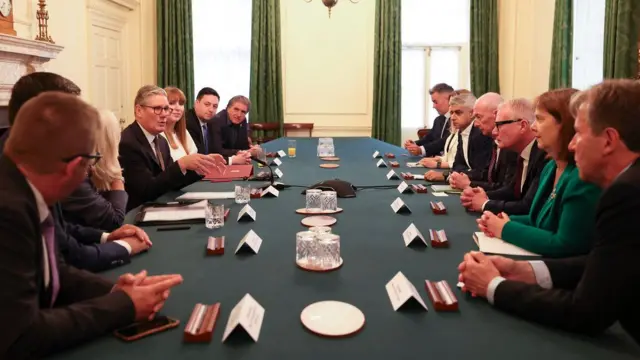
column 559, row 225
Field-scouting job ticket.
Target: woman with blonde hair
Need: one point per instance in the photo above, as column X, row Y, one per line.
column 180, row 141
column 100, row 201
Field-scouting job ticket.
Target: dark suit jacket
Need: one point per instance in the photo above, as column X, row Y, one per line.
column 85, row 307
column 229, row 138
column 502, row 171
column 86, row 206
column 478, row 153
column 3, row 140
column 591, row 292
column 433, row 142
column 195, row 130
column 144, row 178
column 505, row 200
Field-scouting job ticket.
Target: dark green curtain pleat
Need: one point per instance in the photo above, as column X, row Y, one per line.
column 265, row 88
column 387, row 72
column 484, row 66
column 621, row 38
column 175, row 45
column 562, row 46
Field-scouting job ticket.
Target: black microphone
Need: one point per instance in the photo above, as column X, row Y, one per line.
column 277, row 186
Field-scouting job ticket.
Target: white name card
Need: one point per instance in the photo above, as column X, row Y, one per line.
column 404, row 188
column 399, row 206
column 246, row 315
column 391, row 175
column 281, row 153
column 270, row 192
column 247, row 213
column 278, row 172
column 412, row 234
column 401, row 290
column 251, row 241
column 376, row 154
column 276, row 162
column 381, row 164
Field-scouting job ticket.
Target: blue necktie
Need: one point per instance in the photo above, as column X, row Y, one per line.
column 205, row 137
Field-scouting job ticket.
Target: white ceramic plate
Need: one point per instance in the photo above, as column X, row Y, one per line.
column 332, row 318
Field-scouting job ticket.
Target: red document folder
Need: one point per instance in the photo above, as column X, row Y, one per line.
column 232, row 172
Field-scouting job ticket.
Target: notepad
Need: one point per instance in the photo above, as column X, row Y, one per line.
column 492, row 245
column 207, row 195
column 441, row 188
column 414, row 164
column 175, row 213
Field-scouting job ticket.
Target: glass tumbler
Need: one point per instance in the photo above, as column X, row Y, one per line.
column 313, row 200
column 214, row 216
column 243, row 194
column 320, row 229
column 305, row 246
column 329, row 250
column 328, row 201
column 292, row 148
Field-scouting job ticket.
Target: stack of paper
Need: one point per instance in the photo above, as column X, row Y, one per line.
column 207, row 195
column 414, row 164
column 494, row 245
column 175, row 213
column 441, row 188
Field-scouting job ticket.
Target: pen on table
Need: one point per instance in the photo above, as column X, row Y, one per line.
column 172, row 228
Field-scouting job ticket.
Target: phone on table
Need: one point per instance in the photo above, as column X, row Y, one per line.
column 141, row 329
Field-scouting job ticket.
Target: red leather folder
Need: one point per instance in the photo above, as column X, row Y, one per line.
column 232, row 172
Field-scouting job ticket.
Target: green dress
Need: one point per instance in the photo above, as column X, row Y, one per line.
column 560, row 223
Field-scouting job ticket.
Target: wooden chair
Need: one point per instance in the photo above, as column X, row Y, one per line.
column 423, row 132
column 263, row 132
column 298, row 126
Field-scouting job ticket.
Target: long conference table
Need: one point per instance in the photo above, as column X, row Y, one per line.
column 373, row 251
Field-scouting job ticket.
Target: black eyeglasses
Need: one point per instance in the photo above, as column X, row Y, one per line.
column 505, row 122
column 93, row 158
column 159, row 109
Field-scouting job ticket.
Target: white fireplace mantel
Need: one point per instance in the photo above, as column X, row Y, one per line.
column 19, row 57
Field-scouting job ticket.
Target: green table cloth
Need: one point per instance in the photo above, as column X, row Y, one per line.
column 373, row 251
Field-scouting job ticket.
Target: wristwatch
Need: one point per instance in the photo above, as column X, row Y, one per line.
column 446, row 175
column 438, row 164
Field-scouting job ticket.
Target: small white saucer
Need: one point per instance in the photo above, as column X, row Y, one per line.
column 332, row 318
column 318, row 221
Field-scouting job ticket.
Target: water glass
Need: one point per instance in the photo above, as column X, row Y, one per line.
column 292, row 148
column 243, row 194
column 305, row 241
column 329, row 250
column 313, row 199
column 214, row 216
column 328, row 201
column 320, row 229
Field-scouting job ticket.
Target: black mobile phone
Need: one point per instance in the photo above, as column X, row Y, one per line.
column 141, row 329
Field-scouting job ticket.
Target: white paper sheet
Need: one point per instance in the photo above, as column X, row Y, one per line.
column 187, row 212
column 494, row 245
column 207, row 195
column 441, row 188
column 414, row 164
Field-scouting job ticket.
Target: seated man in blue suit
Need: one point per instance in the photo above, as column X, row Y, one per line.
column 432, row 144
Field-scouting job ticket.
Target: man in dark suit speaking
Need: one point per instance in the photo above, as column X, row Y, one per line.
column 46, row 304
column 589, row 293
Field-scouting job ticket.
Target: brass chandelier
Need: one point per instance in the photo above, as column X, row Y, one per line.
column 331, row 3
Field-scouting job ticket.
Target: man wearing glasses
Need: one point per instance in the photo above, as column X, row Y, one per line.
column 148, row 168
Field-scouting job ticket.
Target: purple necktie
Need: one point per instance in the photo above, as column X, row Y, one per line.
column 48, row 231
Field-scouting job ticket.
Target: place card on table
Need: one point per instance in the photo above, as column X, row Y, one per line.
column 281, row 153
column 251, row 242
column 377, row 155
column 404, row 188
column 276, row 162
column 215, row 245
column 391, row 175
column 399, row 207
column 279, row 173
column 247, row 214
column 381, row 164
column 270, row 192
column 246, row 316
column 401, row 291
column 412, row 234
column 438, row 238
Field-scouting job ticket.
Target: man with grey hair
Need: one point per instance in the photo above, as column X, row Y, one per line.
column 502, row 166
column 231, row 129
column 148, row 168
column 512, row 132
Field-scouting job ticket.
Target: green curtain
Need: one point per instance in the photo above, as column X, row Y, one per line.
column 387, row 72
column 562, row 46
column 265, row 88
column 621, row 39
column 175, row 46
column 484, row 66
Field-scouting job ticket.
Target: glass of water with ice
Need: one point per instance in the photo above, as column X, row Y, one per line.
column 214, row 215
column 243, row 194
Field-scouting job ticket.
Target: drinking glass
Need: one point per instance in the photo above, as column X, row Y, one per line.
column 214, row 216
column 292, row 148
column 305, row 246
column 320, row 229
column 328, row 201
column 243, row 194
column 313, row 199
column 329, row 252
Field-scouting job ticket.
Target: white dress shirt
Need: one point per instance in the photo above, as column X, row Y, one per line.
column 150, row 139
column 526, row 155
column 450, row 148
column 465, row 142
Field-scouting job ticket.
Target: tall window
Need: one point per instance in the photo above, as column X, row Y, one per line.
column 222, row 47
column 435, row 49
column 588, row 42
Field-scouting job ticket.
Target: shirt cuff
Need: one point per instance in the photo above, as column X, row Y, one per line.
column 230, row 162
column 542, row 274
column 493, row 285
column 423, row 151
column 484, row 204
column 103, row 238
column 124, row 244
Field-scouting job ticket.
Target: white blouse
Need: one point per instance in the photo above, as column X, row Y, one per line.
column 181, row 151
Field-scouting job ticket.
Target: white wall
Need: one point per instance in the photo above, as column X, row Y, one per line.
column 328, row 66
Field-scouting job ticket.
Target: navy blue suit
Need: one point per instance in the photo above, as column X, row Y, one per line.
column 433, row 142
column 228, row 138
column 479, row 148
